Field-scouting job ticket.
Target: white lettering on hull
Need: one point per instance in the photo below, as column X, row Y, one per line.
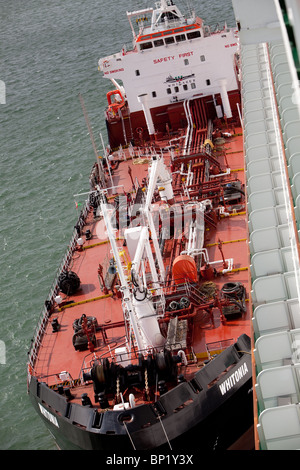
column 233, row 379
column 48, row 416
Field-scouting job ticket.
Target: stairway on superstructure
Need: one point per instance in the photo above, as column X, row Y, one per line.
column 194, row 142
column 200, row 124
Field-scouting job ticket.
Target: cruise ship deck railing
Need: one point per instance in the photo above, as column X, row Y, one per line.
column 271, row 140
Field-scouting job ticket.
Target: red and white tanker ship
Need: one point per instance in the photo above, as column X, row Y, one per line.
column 143, row 343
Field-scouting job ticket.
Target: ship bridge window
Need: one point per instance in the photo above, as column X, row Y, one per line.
column 180, row 38
column 186, row 61
column 169, row 91
column 193, row 85
column 153, row 94
column 158, row 42
column 146, row 45
column 202, row 58
column 169, row 40
column 193, row 35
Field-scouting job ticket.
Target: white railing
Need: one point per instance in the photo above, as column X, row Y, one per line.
column 43, row 319
column 288, row 208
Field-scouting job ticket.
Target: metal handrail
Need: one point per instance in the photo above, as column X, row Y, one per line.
column 44, row 315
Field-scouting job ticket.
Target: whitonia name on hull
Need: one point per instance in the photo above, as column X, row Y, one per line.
column 49, row 416
column 233, row 379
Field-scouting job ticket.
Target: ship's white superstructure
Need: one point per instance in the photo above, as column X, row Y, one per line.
column 173, row 59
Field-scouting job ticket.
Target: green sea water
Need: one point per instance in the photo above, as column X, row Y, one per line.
column 49, row 54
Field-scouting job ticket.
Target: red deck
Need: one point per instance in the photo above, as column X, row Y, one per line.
column 56, row 352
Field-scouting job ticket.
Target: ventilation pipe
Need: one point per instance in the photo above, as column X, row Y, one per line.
column 143, row 99
column 225, row 99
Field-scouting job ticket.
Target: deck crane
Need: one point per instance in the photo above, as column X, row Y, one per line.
column 137, row 300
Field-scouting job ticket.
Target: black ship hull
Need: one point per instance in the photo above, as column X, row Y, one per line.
column 210, row 412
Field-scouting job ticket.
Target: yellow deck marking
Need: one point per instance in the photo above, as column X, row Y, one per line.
column 84, row 301
column 229, row 241
column 95, row 244
column 233, row 214
column 86, row 247
column 235, row 270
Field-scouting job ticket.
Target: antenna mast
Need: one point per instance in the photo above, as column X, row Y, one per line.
column 98, row 159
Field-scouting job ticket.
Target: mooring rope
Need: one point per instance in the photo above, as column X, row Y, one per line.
column 129, row 436
column 165, row 432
